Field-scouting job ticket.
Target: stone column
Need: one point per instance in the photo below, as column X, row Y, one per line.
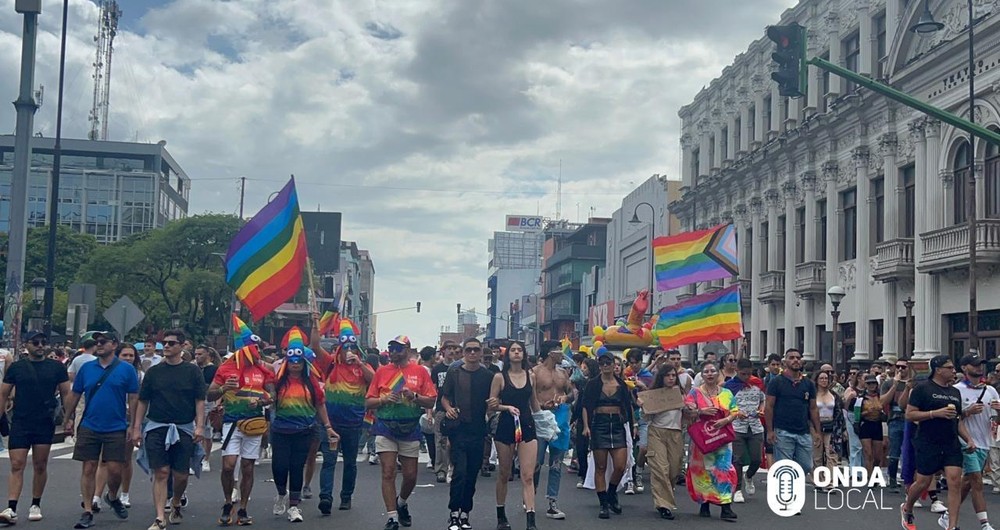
column 734, row 135
column 791, row 120
column 687, row 159
column 744, row 132
column 760, row 126
column 814, row 77
column 833, row 32
column 720, row 151
column 777, row 113
column 773, row 200
column 830, row 173
column 808, row 184
column 741, row 216
column 865, row 38
column 979, row 171
column 933, row 201
column 892, row 188
column 757, row 255
column 893, row 13
column 865, row 201
column 948, row 192
column 921, row 349
column 789, row 193
column 704, row 161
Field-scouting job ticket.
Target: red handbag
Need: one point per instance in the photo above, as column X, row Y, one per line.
column 706, row 436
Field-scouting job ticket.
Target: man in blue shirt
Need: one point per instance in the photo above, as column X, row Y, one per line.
column 105, row 422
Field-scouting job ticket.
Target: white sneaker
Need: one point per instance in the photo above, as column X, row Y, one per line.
column 280, row 504
column 749, row 487
column 917, row 504
column 629, row 489
column 943, row 521
column 125, row 502
column 35, row 513
column 294, row 514
column 579, row 484
column 996, row 489
column 986, row 526
column 430, row 465
column 205, row 466
column 738, row 497
column 938, row 507
column 639, row 488
column 8, row 516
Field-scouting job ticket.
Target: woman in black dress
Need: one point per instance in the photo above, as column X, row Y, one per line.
column 607, row 409
column 513, row 395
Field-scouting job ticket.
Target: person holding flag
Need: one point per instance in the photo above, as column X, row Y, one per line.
column 398, row 393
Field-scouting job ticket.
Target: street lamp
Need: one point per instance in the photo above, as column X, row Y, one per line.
column 907, row 342
column 175, row 320
column 38, row 289
column 836, row 294
column 927, row 25
column 652, row 228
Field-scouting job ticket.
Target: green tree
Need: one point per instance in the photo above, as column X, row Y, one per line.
column 73, row 249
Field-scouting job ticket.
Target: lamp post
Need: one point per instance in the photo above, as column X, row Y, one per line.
column 925, row 26
column 38, row 297
column 53, row 220
column 908, row 328
column 652, row 233
column 836, row 294
column 175, row 320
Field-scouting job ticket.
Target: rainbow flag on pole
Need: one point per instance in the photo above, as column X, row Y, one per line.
column 698, row 256
column 265, row 259
column 704, row 318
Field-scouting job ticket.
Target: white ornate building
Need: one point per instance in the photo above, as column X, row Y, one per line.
column 845, row 187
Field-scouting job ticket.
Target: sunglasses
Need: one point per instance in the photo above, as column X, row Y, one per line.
column 396, row 347
column 605, row 362
column 102, row 342
column 38, row 343
column 168, row 342
column 473, row 350
column 901, row 367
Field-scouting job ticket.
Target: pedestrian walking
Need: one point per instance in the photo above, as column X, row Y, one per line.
column 172, row 403
column 711, row 477
column 832, row 424
column 607, row 409
column 398, row 393
column 111, row 389
column 666, row 444
column 35, row 380
column 465, row 398
column 127, row 353
column 442, row 464
column 749, row 442
column 555, row 393
column 790, row 415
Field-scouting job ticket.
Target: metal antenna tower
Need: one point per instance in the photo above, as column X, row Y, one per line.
column 559, row 193
column 107, row 29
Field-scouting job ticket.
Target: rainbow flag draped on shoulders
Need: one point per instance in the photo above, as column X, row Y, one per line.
column 699, row 256
column 265, row 259
column 704, row 318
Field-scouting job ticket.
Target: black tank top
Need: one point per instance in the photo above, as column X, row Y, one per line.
column 517, row 397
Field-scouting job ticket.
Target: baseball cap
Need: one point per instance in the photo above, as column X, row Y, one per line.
column 104, row 335
column 401, row 339
column 973, row 358
column 889, row 359
column 870, row 379
column 938, row 361
column 88, row 343
column 35, row 334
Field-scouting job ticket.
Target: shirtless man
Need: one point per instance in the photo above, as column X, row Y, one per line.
column 556, row 394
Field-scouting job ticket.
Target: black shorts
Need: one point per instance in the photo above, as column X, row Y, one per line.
column 106, row 446
column 24, row 436
column 177, row 457
column 932, row 458
column 607, row 431
column 505, row 429
column 870, row 430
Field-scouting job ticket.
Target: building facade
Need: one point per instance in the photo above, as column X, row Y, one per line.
column 845, row 187
column 514, row 269
column 109, row 190
column 570, row 252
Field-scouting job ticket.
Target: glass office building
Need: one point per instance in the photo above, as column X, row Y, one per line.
column 109, row 190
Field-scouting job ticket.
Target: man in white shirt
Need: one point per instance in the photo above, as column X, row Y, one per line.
column 88, row 349
column 149, row 356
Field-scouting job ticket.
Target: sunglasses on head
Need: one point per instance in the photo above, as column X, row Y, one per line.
column 168, row 342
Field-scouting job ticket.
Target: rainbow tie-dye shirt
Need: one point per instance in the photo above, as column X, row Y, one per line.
column 239, row 404
column 295, row 410
column 345, row 389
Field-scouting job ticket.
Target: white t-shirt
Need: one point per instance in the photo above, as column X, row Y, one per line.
column 149, row 362
column 978, row 425
column 79, row 361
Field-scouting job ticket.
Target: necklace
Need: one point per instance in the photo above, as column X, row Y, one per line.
column 711, row 393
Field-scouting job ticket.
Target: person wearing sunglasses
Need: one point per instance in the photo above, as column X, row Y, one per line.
column 399, row 393
column 104, row 425
column 554, row 393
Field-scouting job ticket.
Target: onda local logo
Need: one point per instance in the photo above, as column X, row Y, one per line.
column 852, row 488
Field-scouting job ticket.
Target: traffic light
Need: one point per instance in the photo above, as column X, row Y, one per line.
column 790, row 54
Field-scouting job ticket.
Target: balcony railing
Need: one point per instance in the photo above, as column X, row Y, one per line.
column 948, row 248
column 772, row 287
column 810, row 279
column 893, row 260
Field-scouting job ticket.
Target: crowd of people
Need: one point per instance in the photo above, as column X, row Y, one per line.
column 478, row 409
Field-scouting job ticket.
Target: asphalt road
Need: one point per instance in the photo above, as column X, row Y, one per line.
column 428, row 505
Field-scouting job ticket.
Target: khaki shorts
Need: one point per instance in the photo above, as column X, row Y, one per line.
column 402, row 448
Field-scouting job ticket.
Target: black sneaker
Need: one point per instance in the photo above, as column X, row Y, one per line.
column 94, row 507
column 454, row 523
column 464, row 521
column 226, row 518
column 325, row 505
column 404, row 515
column 345, row 504
column 391, row 524
column 665, row 513
column 86, row 521
column 116, row 506
column 243, row 518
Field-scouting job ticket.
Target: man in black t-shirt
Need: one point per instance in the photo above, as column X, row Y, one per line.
column 464, row 398
column 442, row 461
column 34, row 381
column 172, row 399
column 935, row 406
column 790, row 412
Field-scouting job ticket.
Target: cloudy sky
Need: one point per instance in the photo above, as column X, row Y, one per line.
column 423, row 121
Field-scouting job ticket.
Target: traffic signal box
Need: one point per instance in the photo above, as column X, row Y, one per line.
column 790, row 56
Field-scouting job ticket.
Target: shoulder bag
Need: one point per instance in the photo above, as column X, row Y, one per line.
column 97, row 387
column 706, row 436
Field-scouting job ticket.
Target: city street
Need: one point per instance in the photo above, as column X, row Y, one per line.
column 428, row 505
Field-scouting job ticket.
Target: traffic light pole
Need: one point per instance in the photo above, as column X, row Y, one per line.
column 906, row 99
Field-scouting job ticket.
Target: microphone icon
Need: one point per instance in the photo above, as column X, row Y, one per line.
column 786, row 488
column 785, row 476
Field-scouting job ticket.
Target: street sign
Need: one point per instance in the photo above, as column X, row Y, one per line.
column 84, row 293
column 124, row 315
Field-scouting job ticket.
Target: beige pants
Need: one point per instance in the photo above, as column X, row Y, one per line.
column 664, row 453
column 824, row 455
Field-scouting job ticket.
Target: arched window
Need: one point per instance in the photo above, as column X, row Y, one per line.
column 992, row 180
column 961, row 168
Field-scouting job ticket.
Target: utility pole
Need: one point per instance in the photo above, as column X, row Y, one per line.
column 243, row 188
column 970, row 197
column 53, row 218
column 18, row 224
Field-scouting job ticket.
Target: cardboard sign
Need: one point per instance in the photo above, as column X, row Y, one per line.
column 661, row 400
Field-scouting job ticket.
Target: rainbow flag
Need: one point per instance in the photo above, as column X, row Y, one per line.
column 265, row 259
column 698, row 256
column 703, row 318
column 327, row 321
column 397, row 383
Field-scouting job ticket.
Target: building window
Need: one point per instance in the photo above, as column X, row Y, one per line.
column 821, row 231
column 752, row 123
column 711, row 152
column 877, row 343
column 800, row 338
column 781, row 339
column 763, row 342
column 847, row 338
column 851, row 52
column 767, row 115
column 878, row 216
column 737, row 128
column 800, row 235
column 909, row 201
column 992, row 181
column 880, row 45
column 963, row 158
column 849, row 235
column 764, row 246
column 695, row 161
column 782, row 244
column 724, row 143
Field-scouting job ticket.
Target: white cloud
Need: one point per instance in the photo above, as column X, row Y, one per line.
column 472, row 96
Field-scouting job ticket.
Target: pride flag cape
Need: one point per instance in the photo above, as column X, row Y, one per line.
column 698, row 256
column 265, row 259
column 703, row 318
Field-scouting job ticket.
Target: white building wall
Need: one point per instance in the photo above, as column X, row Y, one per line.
column 512, row 284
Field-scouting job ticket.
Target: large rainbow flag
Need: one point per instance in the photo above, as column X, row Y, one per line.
column 265, row 259
column 698, row 256
column 703, row 318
